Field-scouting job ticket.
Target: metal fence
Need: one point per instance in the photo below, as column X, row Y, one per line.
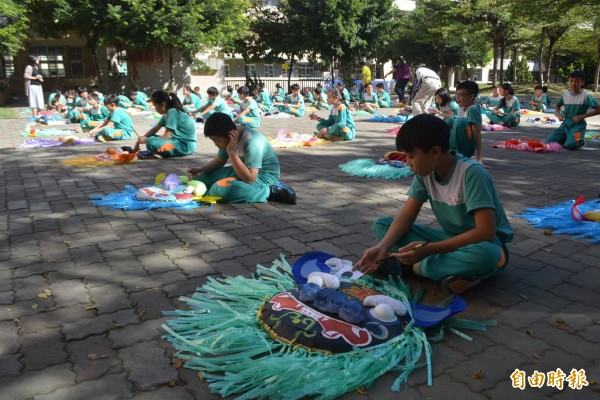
column 270, row 83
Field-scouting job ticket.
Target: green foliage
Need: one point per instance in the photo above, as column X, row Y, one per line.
column 13, row 25
column 523, row 72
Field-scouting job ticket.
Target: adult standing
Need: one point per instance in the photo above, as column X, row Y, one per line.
column 423, row 90
column 366, row 76
column 33, row 85
column 402, row 75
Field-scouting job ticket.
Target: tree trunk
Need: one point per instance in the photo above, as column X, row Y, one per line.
column 171, row 79
column 495, row 57
column 515, row 60
column 502, row 49
column 290, row 68
column 92, row 44
column 541, row 57
column 597, row 71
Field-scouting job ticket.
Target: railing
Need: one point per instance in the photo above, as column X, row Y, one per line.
column 270, row 83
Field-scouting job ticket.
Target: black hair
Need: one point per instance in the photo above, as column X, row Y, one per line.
column 94, row 96
column 507, row 87
column 538, row 87
column 494, row 86
column 212, row 91
column 219, row 124
column 295, row 86
column 424, row 132
column 277, row 85
column 189, row 88
column 340, row 83
column 111, row 98
column 444, row 95
column 70, row 92
column 170, row 98
column 82, row 89
column 244, row 90
column 469, row 86
column 336, row 92
column 577, row 74
column 545, row 89
column 368, row 84
column 379, row 85
column 401, row 60
column 133, row 93
column 32, row 59
column 196, row 88
column 318, row 90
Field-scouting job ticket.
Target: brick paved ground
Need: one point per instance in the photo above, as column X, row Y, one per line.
column 111, row 273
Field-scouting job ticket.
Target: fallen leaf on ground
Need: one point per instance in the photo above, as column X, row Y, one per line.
column 96, row 356
column 477, row 375
column 561, row 324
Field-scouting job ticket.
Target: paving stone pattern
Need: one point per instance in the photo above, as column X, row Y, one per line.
column 110, row 273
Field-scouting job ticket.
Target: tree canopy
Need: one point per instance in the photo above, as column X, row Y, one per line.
column 13, row 25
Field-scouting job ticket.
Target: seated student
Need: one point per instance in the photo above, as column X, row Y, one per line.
column 492, row 100
column 137, row 100
column 343, row 92
column 465, row 136
column 117, row 126
column 250, row 113
column 191, row 100
column 124, row 102
column 57, row 102
column 70, row 97
column 572, row 110
column 321, row 102
column 253, row 176
column 198, row 92
column 95, row 89
column 354, row 94
column 96, row 114
column 508, row 111
column 80, row 105
column 368, row 101
column 179, row 139
column 445, row 107
column 263, row 98
column 471, row 244
column 293, row 103
column 215, row 104
column 383, row 97
column 548, row 99
column 339, row 125
column 279, row 94
column 308, row 97
column 538, row 100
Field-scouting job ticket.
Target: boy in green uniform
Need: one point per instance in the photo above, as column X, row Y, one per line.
column 466, row 129
column 253, row 176
column 471, row 244
column 572, row 110
column 250, row 113
column 344, row 92
column 191, row 101
column 383, row 97
column 138, row 101
column 215, row 104
column 293, row 103
column 96, row 114
column 80, row 105
column 117, row 126
column 538, row 100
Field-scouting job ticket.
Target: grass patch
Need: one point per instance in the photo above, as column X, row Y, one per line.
column 8, row 113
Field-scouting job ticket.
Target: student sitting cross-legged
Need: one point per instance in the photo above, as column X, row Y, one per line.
column 117, row 126
column 252, row 177
column 470, row 246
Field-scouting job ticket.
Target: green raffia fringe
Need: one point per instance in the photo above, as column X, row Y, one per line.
column 221, row 336
column 366, row 167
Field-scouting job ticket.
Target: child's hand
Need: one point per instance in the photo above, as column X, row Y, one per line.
column 412, row 253
column 577, row 118
column 233, row 141
column 192, row 172
column 313, row 117
column 369, row 262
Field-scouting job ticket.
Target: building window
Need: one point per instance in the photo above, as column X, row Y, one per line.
column 76, row 60
column 7, row 69
column 51, row 60
column 305, row 70
column 251, row 69
column 269, row 70
column 226, row 70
